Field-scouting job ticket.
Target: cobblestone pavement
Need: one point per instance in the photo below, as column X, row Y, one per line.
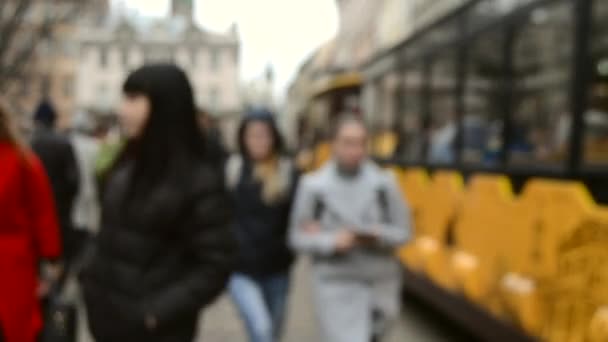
column 220, row 323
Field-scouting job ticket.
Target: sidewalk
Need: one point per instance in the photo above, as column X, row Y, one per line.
column 221, row 323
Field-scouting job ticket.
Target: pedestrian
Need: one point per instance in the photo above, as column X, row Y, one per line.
column 350, row 217
column 262, row 182
column 29, row 235
column 213, row 136
column 86, row 212
column 164, row 250
column 59, row 159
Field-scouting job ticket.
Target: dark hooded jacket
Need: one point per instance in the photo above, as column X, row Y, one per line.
column 261, row 228
column 168, row 256
column 164, row 249
column 59, row 161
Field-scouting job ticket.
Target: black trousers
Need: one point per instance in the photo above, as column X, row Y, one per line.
column 177, row 337
column 184, row 331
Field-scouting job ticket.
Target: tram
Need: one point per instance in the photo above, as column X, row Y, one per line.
column 494, row 118
column 517, row 87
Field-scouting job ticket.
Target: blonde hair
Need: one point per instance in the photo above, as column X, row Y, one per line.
column 269, row 174
column 8, row 130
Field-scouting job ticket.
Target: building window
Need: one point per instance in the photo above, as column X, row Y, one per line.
column 214, row 98
column 25, row 89
column 410, row 132
column 193, row 57
column 542, row 56
column 148, row 55
column 482, row 126
column 103, row 57
column 102, row 90
column 214, row 60
column 125, row 58
column 596, row 116
column 235, row 55
column 443, row 116
column 68, row 86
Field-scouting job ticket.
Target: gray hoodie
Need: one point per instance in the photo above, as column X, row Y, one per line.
column 354, row 203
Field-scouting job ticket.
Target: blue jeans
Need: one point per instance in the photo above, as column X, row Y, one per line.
column 261, row 301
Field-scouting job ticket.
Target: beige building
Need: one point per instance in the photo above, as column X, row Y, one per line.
column 108, row 53
column 259, row 91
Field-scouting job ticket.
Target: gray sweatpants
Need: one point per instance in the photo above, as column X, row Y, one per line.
column 351, row 310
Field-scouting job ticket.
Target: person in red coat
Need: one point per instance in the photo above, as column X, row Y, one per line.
column 29, row 234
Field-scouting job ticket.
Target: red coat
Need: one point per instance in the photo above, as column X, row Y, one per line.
column 28, row 232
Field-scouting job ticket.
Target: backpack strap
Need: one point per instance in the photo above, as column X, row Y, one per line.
column 234, row 168
column 319, row 208
column 382, row 198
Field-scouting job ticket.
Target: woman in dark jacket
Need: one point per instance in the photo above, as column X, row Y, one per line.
column 164, row 250
column 262, row 183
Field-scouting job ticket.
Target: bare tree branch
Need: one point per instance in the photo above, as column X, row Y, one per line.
column 2, row 6
column 12, row 69
column 10, row 29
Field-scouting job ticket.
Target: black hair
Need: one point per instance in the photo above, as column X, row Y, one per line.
column 343, row 120
column 171, row 139
column 264, row 116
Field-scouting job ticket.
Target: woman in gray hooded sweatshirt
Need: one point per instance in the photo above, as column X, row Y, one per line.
column 350, row 216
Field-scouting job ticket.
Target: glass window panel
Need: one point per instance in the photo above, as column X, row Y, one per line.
column 409, row 116
column 214, row 58
column 103, row 57
column 443, row 125
column 488, row 11
column 596, row 116
column 483, row 100
column 542, row 60
column 214, row 98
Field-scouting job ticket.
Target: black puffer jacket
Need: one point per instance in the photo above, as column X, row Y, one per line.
column 167, row 256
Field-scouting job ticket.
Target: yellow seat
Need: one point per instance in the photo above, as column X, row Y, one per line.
column 322, row 154
column 478, row 233
column 576, row 298
column 414, row 184
column 546, row 214
column 384, row 144
column 434, row 222
column 561, row 206
column 598, row 328
column 439, row 208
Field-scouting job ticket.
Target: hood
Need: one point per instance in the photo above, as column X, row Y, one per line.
column 45, row 114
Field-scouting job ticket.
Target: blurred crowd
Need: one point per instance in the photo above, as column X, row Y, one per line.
column 153, row 219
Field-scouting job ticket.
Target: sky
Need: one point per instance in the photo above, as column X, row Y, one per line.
column 278, row 32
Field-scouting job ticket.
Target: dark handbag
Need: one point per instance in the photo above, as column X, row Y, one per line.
column 59, row 316
column 59, row 320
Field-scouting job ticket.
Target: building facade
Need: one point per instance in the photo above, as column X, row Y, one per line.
column 110, row 52
column 49, row 70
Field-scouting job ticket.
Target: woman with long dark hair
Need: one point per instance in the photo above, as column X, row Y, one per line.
column 29, row 234
column 262, row 182
column 164, row 250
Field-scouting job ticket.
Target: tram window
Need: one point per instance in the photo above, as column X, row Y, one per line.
column 409, row 117
column 443, row 125
column 542, row 60
column 483, row 100
column 596, row 116
column 487, row 11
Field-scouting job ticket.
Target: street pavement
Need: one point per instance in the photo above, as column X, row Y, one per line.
column 221, row 323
